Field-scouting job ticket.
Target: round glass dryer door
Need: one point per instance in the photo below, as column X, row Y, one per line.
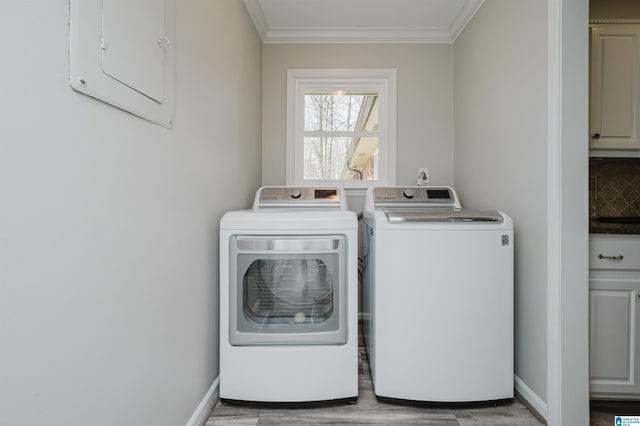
column 288, row 291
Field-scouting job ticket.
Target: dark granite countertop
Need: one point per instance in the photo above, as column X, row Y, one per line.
column 610, row 226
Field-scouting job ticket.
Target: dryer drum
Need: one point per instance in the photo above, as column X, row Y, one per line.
column 288, row 290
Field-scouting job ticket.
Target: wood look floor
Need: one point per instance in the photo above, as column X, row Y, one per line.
column 369, row 411
column 603, row 412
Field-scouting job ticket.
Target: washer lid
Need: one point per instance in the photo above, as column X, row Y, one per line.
column 442, row 215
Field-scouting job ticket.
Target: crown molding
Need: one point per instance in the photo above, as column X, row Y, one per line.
column 357, row 35
column 467, row 13
column 258, row 18
column 422, row 35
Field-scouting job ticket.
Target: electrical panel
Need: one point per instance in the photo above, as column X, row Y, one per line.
column 122, row 52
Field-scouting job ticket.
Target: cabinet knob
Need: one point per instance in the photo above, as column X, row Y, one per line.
column 596, row 136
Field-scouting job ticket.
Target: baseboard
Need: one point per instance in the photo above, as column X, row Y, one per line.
column 530, row 399
column 204, row 409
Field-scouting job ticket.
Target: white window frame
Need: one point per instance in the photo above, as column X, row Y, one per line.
column 381, row 80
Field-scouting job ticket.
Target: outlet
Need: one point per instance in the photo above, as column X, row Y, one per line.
column 423, row 176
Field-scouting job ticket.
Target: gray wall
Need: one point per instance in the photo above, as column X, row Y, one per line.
column 425, row 102
column 108, row 224
column 521, row 124
column 501, row 153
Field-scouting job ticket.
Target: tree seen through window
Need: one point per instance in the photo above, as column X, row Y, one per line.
column 340, row 135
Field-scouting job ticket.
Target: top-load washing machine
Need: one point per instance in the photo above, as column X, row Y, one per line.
column 289, row 299
column 437, row 297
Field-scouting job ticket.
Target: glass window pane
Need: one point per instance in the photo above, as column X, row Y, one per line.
column 339, row 111
column 340, row 158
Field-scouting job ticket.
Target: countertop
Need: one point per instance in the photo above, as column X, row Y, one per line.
column 597, row 227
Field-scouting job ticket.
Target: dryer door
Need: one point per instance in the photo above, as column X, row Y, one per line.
column 288, row 290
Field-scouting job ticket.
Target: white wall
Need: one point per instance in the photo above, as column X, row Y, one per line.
column 108, row 223
column 501, row 153
column 425, row 102
column 568, row 374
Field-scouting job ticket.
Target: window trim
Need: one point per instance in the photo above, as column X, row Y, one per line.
column 383, row 80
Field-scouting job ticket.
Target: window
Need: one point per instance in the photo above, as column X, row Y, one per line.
column 341, row 127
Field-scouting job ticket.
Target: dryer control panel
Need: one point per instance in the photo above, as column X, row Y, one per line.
column 295, row 197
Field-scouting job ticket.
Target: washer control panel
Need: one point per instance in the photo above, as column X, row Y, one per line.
column 414, row 194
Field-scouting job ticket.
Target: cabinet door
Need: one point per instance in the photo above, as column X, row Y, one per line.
column 614, row 104
column 613, row 336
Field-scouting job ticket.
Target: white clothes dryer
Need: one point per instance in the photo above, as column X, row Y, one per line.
column 437, row 297
column 289, row 298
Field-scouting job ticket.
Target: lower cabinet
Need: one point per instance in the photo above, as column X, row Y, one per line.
column 614, row 316
column 614, row 343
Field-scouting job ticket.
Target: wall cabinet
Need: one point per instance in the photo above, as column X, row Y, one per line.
column 614, row 109
column 614, row 298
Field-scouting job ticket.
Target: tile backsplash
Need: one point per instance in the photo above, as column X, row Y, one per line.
column 614, row 187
